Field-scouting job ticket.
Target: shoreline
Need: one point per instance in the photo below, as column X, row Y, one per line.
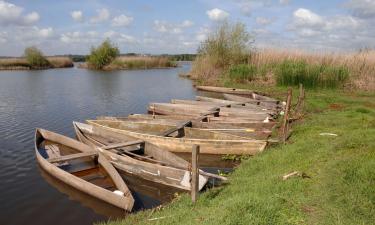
column 257, row 187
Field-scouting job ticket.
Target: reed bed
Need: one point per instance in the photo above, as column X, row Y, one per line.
column 60, row 61
column 22, row 64
column 286, row 67
column 140, row 62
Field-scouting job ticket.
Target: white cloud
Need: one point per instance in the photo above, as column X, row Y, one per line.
column 202, row 34
column 362, row 8
column 31, row 18
column 187, row 23
column 118, row 37
column 102, row 15
column 263, row 21
column 77, row 15
column 166, row 27
column 217, row 14
column 304, row 17
column 122, row 21
column 45, row 32
column 11, row 14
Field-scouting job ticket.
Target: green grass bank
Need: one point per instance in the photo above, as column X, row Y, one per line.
column 340, row 189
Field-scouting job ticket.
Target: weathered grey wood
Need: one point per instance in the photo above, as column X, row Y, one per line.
column 125, row 202
column 225, row 90
column 210, row 142
column 195, row 173
column 124, row 144
column 285, row 124
column 174, row 129
column 164, row 167
column 71, row 157
column 203, row 122
column 301, row 101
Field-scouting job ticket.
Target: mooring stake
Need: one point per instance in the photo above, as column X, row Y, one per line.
column 285, row 125
column 195, row 173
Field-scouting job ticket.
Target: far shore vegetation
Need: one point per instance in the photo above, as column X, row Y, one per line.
column 107, row 57
column 34, row 59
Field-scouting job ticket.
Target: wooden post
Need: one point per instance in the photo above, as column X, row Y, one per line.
column 195, row 173
column 285, row 125
column 301, row 100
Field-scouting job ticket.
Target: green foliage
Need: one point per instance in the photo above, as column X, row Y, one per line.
column 294, row 72
column 242, row 72
column 35, row 58
column 102, row 55
column 227, row 45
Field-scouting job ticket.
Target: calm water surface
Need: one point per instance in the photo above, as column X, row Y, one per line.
column 52, row 99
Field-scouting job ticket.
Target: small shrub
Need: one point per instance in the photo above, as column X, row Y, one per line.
column 102, row 55
column 227, row 46
column 35, row 58
column 242, row 72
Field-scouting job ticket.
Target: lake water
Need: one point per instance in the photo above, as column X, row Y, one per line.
column 52, row 99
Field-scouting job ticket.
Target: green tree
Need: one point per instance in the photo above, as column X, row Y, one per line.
column 36, row 58
column 102, row 55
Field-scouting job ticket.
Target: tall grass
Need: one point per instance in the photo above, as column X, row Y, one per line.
column 294, row 72
column 290, row 67
column 140, row 62
column 60, row 61
column 356, row 70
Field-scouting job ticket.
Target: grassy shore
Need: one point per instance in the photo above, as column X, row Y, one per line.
column 22, row 64
column 339, row 182
column 138, row 62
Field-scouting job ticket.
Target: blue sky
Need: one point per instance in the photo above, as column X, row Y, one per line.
column 172, row 27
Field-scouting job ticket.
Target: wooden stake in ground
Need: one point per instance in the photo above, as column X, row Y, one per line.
column 285, row 125
column 301, row 101
column 195, row 173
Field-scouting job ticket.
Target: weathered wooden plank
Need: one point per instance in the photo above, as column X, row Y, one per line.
column 71, row 157
column 124, row 144
column 225, row 90
column 174, row 129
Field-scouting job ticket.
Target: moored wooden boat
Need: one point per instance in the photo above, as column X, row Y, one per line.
column 197, row 110
column 235, row 105
column 208, row 122
column 264, row 101
column 258, row 133
column 79, row 166
column 237, row 91
column 144, row 160
column 184, row 138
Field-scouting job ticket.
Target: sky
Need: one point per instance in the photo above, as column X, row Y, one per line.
column 170, row 26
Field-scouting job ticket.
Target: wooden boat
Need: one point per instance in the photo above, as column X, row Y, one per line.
column 235, row 105
column 79, row 166
column 197, row 110
column 140, row 158
column 183, row 138
column 264, row 101
column 208, row 122
column 226, row 90
column 255, row 133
